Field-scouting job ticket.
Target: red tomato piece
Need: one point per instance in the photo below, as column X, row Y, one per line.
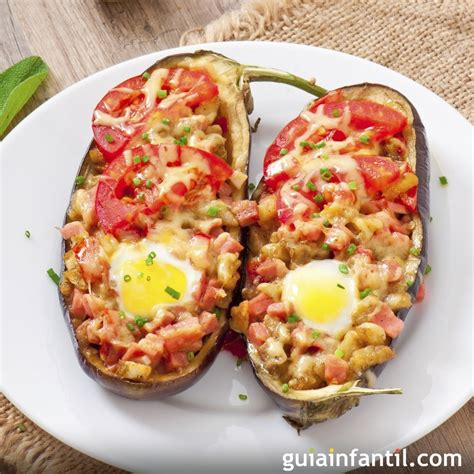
column 378, row 171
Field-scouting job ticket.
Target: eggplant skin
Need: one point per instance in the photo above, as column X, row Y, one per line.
column 301, row 410
column 236, row 105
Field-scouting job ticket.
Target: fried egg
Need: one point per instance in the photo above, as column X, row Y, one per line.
column 147, row 276
column 323, row 294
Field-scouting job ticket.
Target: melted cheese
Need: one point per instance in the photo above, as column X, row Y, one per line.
column 153, row 85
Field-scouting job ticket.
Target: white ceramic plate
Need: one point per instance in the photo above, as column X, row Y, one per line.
column 208, row 428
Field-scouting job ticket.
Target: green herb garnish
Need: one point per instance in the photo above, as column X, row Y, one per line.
column 339, row 353
column 364, row 293
column 283, row 152
column 242, row 396
column 351, row 249
column 365, row 139
column 293, row 318
column 285, row 388
column 173, row 293
column 162, row 94
column 343, row 268
column 27, row 234
column 53, row 275
column 443, row 180
column 80, row 180
column 428, row 269
column 109, row 138
column 212, row 211
column 127, row 278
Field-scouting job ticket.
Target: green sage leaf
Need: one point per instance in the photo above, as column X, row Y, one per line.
column 17, row 84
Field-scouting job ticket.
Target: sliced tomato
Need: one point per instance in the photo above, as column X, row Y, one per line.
column 198, row 85
column 126, row 106
column 378, row 171
column 382, row 120
column 119, row 200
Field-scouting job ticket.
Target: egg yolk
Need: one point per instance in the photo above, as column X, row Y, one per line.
column 317, row 299
column 147, row 284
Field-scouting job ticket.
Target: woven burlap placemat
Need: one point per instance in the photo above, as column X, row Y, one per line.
column 430, row 41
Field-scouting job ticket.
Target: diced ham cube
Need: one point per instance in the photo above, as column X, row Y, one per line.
column 178, row 336
column 335, row 370
column 71, row 229
column 148, row 350
column 177, row 360
column 93, row 305
column 88, row 256
column 257, row 334
column 208, row 322
column 272, row 268
column 338, row 237
column 386, row 319
column 310, row 230
column 393, row 270
column 278, row 310
column 258, row 306
column 194, row 346
column 210, row 225
column 246, row 212
column 93, row 327
column 77, row 304
column 226, row 243
column 162, row 318
column 211, row 294
column 366, row 252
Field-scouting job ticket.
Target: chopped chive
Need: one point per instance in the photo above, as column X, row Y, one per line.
column 212, row 211
column 296, row 187
column 53, row 275
column 293, row 318
column 146, row 76
column 217, row 312
column 137, row 159
column 140, row 321
column 187, row 129
column 127, row 278
column 410, row 283
column 443, row 180
column 311, row 186
column 21, row 428
column 352, row 185
column 109, row 138
column 122, row 314
column 415, row 251
column 318, row 198
column 336, row 113
column 304, row 143
column 340, row 286
column 149, row 262
column 27, row 234
column 190, row 356
column 364, row 293
column 326, row 223
column 325, row 246
column 165, row 121
column 137, row 181
column 315, row 334
column 162, row 93
column 251, row 186
column 145, row 136
column 339, row 353
column 365, row 139
column 320, row 144
column 141, row 197
column 131, row 326
column 145, row 158
column 285, row 388
column 431, row 219
column 148, row 183
column 173, row 293
column 315, row 215
column 152, row 254
column 181, row 141
column 80, row 180
column 428, row 269
column 325, row 156
column 238, row 362
column 343, row 268
column 148, row 278
column 351, row 249
column 163, row 210
column 242, row 396
column 325, row 174
column 283, row 151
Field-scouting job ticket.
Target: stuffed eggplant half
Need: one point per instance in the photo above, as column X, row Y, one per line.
column 337, row 250
column 152, row 232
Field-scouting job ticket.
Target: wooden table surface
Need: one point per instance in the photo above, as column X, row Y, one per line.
column 79, row 37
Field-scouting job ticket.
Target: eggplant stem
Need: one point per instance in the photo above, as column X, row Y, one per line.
column 260, row 74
